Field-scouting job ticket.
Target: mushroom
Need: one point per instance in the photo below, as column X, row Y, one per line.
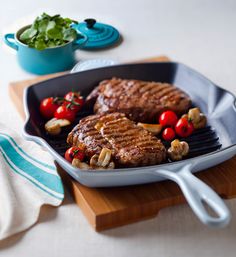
column 198, row 119
column 97, row 162
column 53, row 126
column 178, row 150
column 104, row 157
column 81, row 165
column 202, row 122
column 94, row 160
column 194, row 114
column 155, row 129
column 103, row 160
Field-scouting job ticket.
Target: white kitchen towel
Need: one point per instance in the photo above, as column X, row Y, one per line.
column 28, row 180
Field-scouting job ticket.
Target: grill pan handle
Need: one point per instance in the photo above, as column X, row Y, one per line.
column 196, row 193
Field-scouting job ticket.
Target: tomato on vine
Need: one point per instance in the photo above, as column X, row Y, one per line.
column 48, row 106
column 184, row 127
column 168, row 119
column 168, row 134
column 65, row 112
column 75, row 100
column 74, row 153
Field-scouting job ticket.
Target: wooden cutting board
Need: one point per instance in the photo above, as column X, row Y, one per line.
column 106, row 208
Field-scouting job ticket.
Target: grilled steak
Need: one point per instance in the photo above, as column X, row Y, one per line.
column 131, row 145
column 140, row 100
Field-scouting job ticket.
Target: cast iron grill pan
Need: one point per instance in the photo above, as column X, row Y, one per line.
column 208, row 147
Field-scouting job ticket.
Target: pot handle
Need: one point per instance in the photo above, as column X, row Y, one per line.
column 196, row 193
column 9, row 39
column 80, row 42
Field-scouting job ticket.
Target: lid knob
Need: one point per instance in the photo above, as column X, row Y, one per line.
column 90, row 23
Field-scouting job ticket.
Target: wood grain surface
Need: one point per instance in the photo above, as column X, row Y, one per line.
column 106, row 208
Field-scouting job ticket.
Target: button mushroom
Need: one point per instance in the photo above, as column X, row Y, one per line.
column 103, row 160
column 53, row 126
column 178, row 150
column 81, row 165
column 198, row 119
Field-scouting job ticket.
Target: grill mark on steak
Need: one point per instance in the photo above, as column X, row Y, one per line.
column 84, row 134
column 151, row 87
column 140, row 100
column 159, row 89
column 131, row 145
column 166, row 91
column 139, row 147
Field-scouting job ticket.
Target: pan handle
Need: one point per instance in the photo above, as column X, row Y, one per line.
column 196, row 193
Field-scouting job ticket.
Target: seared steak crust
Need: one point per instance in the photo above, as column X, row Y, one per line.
column 131, row 145
column 140, row 100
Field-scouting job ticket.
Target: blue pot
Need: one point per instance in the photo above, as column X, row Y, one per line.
column 45, row 61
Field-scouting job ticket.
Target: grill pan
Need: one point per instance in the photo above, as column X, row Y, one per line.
column 208, row 147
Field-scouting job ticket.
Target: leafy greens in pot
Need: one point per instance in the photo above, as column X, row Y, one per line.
column 49, row 31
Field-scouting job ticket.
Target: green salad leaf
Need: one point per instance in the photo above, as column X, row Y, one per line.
column 49, row 31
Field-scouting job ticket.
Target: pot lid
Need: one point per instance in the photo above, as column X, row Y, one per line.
column 92, row 64
column 99, row 35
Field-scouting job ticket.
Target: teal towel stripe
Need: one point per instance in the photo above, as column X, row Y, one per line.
column 37, row 185
column 51, row 181
column 30, row 157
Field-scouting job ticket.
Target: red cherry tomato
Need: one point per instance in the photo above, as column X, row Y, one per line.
column 74, row 152
column 63, row 112
column 70, row 95
column 168, row 134
column 48, row 106
column 168, row 119
column 75, row 100
column 184, row 128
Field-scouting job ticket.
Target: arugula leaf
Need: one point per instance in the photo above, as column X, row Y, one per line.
column 40, row 44
column 49, row 31
column 27, row 34
column 69, row 34
column 43, row 26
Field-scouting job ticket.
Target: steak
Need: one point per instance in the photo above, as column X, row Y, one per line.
column 140, row 100
column 131, row 145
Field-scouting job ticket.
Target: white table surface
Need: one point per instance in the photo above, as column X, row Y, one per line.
column 201, row 34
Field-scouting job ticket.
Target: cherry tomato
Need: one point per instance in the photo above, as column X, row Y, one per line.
column 70, row 95
column 74, row 152
column 168, row 134
column 184, row 128
column 48, row 106
column 168, row 119
column 63, row 112
column 75, row 100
